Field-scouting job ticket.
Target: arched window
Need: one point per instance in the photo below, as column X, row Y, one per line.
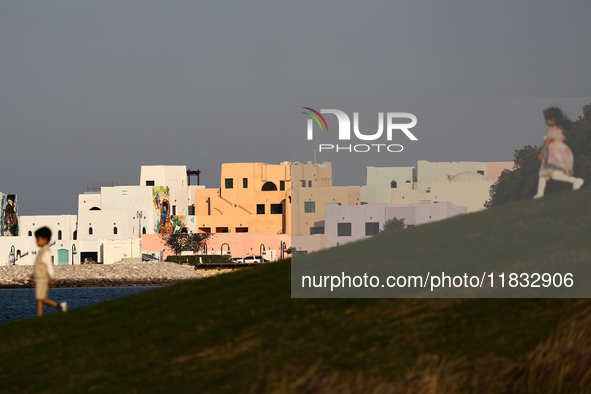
column 393, row 184
column 18, row 254
column 30, row 233
column 143, row 230
column 115, row 230
column 59, row 235
column 269, row 187
column 95, row 209
column 90, row 231
column 75, row 235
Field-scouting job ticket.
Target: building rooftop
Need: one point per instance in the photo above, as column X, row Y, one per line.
column 469, row 176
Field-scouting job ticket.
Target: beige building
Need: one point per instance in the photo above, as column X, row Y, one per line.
column 467, row 189
column 312, row 190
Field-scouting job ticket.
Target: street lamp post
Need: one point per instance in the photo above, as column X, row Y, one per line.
column 222, row 248
column 205, row 248
column 283, row 247
column 262, row 250
column 73, row 253
column 140, row 215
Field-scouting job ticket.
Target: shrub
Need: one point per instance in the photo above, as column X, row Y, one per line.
column 194, row 260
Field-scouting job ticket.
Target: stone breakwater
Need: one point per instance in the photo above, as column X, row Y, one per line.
column 98, row 275
column 218, row 271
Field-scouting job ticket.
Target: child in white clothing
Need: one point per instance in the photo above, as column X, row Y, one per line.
column 43, row 272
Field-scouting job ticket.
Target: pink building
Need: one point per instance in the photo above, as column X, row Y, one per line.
column 238, row 244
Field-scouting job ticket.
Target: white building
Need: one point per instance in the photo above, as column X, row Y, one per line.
column 379, row 181
column 109, row 223
column 351, row 223
column 461, row 183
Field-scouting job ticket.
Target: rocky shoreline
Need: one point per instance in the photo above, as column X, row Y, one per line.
column 128, row 274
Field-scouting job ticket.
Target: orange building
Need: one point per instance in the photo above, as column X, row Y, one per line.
column 253, row 197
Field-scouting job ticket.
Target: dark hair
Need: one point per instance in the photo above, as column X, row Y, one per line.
column 559, row 118
column 43, row 232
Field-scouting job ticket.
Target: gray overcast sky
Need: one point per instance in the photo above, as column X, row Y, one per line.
column 89, row 91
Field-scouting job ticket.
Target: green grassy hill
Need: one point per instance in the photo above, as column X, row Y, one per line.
column 549, row 235
column 216, row 335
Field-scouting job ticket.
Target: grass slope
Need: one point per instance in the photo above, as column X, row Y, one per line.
column 211, row 336
column 549, row 235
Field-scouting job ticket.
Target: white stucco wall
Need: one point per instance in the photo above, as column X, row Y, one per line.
column 171, row 176
column 28, row 248
column 89, row 200
column 56, row 223
column 388, row 174
column 470, row 194
column 358, row 216
column 113, row 251
column 438, row 171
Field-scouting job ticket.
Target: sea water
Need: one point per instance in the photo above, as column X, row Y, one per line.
column 20, row 303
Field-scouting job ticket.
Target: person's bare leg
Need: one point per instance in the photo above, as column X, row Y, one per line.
column 541, row 186
column 562, row 177
column 39, row 308
column 52, row 303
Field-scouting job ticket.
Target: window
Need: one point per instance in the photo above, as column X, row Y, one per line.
column 90, row 231
column 281, row 185
column 143, row 230
column 115, row 230
column 344, row 229
column 303, row 183
column 309, row 183
column 309, row 206
column 276, row 209
column 245, row 182
column 269, row 187
column 393, row 185
column 221, row 229
column 229, row 183
column 30, row 233
column 260, row 209
column 316, row 230
column 149, row 183
column 480, row 172
column 241, row 229
column 205, row 229
column 174, row 210
column 59, row 235
column 372, row 228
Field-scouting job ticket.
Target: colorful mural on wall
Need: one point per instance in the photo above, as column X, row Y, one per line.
column 166, row 223
column 8, row 215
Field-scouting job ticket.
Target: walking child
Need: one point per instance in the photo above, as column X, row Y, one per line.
column 556, row 156
column 43, row 272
